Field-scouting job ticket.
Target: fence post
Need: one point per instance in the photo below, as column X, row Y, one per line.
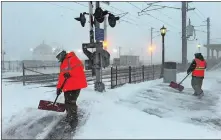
column 153, row 72
column 111, row 77
column 143, row 72
column 129, row 74
column 9, row 65
column 23, row 71
column 116, row 76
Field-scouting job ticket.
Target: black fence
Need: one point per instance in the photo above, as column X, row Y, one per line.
column 121, row 76
column 49, row 74
column 11, row 66
column 17, row 66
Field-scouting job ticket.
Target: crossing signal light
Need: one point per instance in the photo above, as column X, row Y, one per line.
column 82, row 19
column 99, row 14
column 112, row 20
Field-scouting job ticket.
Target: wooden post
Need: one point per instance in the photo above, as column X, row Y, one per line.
column 111, row 77
column 153, row 72
column 143, row 72
column 116, row 76
column 129, row 74
column 23, row 71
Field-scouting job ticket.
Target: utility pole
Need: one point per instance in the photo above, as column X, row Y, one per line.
column 91, row 32
column 184, row 9
column 151, row 43
column 119, row 51
column 105, row 31
column 3, row 60
column 184, row 39
column 98, row 58
column 151, row 36
column 208, row 36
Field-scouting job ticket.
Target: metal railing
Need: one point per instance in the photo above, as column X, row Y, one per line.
column 121, row 76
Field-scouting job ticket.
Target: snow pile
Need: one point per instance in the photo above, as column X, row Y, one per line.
column 116, row 121
column 146, row 110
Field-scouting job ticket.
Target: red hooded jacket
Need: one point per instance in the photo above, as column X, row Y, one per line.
column 75, row 68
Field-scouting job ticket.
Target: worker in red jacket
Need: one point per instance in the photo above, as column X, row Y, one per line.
column 197, row 68
column 71, row 68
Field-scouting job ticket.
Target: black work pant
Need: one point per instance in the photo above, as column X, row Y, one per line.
column 70, row 103
column 196, row 83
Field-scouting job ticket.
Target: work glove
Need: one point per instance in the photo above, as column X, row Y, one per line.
column 67, row 75
column 188, row 71
column 59, row 91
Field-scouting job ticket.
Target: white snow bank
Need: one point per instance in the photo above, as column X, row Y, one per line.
column 153, row 110
column 110, row 120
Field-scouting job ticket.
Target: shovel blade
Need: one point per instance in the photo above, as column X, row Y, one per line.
column 48, row 105
column 176, row 86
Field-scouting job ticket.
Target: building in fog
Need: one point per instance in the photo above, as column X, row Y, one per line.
column 43, row 52
column 126, row 60
column 129, row 60
column 116, row 61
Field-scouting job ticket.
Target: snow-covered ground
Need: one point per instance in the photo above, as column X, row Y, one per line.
column 145, row 110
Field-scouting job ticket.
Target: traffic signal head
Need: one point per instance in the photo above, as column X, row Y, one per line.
column 112, row 20
column 82, row 19
column 99, row 14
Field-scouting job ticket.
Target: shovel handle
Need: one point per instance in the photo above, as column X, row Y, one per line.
column 55, row 99
column 184, row 78
column 61, row 88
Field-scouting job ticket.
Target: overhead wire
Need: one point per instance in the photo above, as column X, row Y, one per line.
column 201, row 31
column 166, row 14
column 61, row 6
column 197, row 14
column 151, row 15
column 200, row 12
column 123, row 11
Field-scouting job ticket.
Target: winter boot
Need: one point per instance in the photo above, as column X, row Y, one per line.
column 200, row 95
column 67, row 118
column 194, row 94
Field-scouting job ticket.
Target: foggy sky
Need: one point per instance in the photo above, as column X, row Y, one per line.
column 26, row 24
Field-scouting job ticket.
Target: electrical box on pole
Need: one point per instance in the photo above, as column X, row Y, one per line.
column 190, row 30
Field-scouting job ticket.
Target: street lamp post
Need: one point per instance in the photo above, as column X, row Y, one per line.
column 163, row 33
column 198, row 46
column 3, row 62
column 151, row 54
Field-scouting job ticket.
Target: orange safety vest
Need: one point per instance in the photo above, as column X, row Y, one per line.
column 200, row 68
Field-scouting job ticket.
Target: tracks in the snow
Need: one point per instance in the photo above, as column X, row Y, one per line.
column 50, row 126
column 30, row 129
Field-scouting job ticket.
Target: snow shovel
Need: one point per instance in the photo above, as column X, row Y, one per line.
column 178, row 86
column 52, row 106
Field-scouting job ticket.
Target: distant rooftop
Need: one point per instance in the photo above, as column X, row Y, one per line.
column 213, row 46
